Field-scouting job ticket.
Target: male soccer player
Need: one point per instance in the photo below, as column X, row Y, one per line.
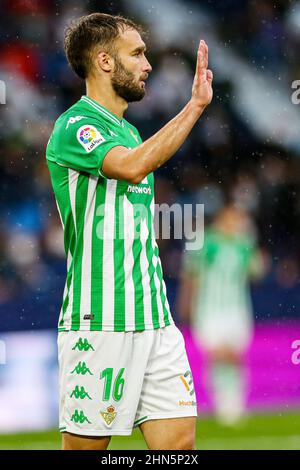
column 215, row 291
column 122, row 360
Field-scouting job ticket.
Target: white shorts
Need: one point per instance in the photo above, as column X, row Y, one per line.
column 111, row 382
column 234, row 330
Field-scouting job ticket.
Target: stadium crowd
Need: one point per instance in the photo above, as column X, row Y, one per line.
column 223, row 160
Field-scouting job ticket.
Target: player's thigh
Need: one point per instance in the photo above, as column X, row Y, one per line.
column 170, row 434
column 101, row 377
column 76, row 442
column 168, row 391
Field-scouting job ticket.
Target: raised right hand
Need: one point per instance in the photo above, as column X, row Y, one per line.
column 202, row 91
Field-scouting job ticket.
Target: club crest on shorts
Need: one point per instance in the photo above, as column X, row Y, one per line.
column 109, row 415
column 89, row 137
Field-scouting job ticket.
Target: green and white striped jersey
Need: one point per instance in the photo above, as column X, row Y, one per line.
column 222, row 271
column 114, row 274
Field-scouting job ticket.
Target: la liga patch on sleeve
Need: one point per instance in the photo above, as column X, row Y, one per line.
column 89, row 137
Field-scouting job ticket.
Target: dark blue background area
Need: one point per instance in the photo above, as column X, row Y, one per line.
column 35, row 310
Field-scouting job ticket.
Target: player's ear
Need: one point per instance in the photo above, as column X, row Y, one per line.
column 104, row 61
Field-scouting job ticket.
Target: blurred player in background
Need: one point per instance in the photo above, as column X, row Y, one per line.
column 122, row 360
column 215, row 293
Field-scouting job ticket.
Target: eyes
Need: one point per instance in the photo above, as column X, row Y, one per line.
column 139, row 53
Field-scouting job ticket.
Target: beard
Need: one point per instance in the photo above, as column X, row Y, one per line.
column 124, row 83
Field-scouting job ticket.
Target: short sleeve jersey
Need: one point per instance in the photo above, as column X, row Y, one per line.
column 114, row 274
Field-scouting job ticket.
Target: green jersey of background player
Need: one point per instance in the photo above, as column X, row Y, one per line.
column 102, row 176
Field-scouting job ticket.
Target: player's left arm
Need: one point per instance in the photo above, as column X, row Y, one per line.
column 259, row 264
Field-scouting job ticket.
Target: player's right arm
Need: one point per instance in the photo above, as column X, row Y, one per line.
column 134, row 164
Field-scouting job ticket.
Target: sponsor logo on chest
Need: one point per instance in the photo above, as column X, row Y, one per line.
column 140, row 189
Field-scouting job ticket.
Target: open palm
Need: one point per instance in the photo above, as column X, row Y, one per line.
column 202, row 91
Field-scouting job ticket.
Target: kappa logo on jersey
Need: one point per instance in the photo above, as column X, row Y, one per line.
column 89, row 137
column 72, row 120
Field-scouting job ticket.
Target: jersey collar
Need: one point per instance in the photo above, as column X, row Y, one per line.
column 101, row 109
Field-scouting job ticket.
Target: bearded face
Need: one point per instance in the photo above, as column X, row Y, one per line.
column 125, row 84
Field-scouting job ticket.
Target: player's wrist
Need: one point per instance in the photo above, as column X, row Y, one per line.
column 195, row 107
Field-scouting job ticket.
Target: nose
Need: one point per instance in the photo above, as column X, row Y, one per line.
column 147, row 67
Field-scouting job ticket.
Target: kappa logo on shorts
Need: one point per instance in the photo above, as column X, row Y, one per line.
column 79, row 417
column 83, row 345
column 80, row 393
column 89, row 137
column 109, row 415
column 82, row 369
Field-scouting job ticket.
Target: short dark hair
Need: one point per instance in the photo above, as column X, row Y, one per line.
column 83, row 34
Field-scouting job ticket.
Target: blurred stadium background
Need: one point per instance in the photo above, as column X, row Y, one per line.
column 246, row 149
